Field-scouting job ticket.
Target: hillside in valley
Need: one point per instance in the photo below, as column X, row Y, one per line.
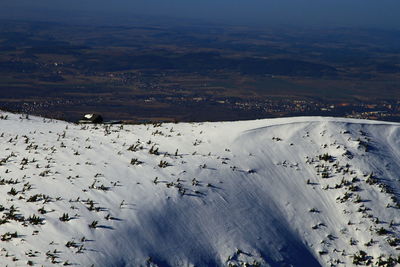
column 305, row 191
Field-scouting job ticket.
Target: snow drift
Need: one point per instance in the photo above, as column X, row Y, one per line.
column 303, row 191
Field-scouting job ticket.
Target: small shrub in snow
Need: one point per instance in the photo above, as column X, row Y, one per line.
column 393, row 241
column 93, row 225
column 42, row 210
column 345, row 197
column 382, row 231
column 357, row 199
column 322, row 252
column 155, row 181
column 389, row 262
column 12, row 191
column 135, row 161
column 65, row 217
column 369, row 243
column 35, row 220
column 314, row 210
column 371, row 180
column 154, row 151
column 360, row 258
column 135, row 147
column 163, row 164
column 34, row 198
column 9, row 236
column 71, row 244
column 354, row 188
column 325, row 157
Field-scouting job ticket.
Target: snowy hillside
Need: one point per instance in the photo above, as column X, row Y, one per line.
column 281, row 192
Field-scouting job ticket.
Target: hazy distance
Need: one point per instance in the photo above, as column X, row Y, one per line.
column 315, row 13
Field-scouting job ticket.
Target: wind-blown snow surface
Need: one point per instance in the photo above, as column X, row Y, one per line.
column 283, row 192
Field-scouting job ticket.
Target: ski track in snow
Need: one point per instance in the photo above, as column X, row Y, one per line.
column 306, row 191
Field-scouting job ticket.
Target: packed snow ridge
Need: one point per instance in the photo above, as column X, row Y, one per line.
column 306, row 191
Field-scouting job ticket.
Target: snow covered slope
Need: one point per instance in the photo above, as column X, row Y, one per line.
column 282, row 192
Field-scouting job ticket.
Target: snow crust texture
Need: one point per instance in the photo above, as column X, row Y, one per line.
column 305, row 191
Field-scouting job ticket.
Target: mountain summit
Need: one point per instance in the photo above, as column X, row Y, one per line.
column 305, row 191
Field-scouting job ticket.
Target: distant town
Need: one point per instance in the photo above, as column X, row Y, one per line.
column 255, row 109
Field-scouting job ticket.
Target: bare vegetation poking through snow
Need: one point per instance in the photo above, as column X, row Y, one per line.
column 299, row 191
